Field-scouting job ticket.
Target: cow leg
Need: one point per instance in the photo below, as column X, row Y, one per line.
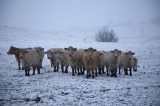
column 87, row 74
column 83, row 69
column 115, row 73
column 66, row 70
column 130, row 69
column 62, row 67
column 55, row 69
column 26, row 72
column 92, row 73
column 99, row 71
column 125, row 71
column 119, row 69
column 107, row 71
column 41, row 64
column 19, row 67
column 18, row 61
column 73, row 69
column 96, row 73
column 34, row 68
column 112, row 73
column 78, row 71
column 102, row 69
column 38, row 69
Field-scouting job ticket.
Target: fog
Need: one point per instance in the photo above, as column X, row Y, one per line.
column 48, row 15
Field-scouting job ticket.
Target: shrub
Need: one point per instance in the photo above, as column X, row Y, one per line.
column 106, row 35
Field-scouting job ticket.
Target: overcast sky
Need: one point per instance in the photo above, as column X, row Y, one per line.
column 65, row 14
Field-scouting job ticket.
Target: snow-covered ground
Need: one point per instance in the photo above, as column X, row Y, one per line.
column 61, row 89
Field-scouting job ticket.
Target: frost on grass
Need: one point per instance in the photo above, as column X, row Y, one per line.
column 57, row 88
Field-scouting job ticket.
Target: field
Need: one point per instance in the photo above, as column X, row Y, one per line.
column 61, row 89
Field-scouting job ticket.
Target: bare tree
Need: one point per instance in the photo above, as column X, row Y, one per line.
column 106, row 35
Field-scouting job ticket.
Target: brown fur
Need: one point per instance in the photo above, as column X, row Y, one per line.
column 89, row 61
column 16, row 51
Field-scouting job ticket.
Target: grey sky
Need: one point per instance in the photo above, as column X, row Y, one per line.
column 65, row 14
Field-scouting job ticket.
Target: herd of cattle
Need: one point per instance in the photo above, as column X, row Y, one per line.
column 81, row 61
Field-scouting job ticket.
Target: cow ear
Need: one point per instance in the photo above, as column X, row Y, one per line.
column 133, row 53
column 38, row 51
column 94, row 50
column 25, row 51
column 65, row 48
column 85, row 50
column 60, row 52
column 75, row 49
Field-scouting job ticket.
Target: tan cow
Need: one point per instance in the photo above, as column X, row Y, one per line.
column 125, row 60
column 89, row 62
column 111, row 62
column 64, row 60
column 80, row 64
column 54, row 57
column 98, row 62
column 49, row 53
column 16, row 51
column 41, row 53
column 31, row 58
column 74, row 57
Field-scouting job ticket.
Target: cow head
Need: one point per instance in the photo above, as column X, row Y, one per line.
column 12, row 50
column 129, row 55
column 116, row 53
column 90, row 51
column 70, row 50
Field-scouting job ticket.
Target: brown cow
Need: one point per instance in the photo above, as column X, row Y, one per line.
column 75, row 58
column 125, row 60
column 16, row 51
column 111, row 62
column 31, row 58
column 89, row 62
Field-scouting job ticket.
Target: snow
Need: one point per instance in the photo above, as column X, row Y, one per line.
column 61, row 89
